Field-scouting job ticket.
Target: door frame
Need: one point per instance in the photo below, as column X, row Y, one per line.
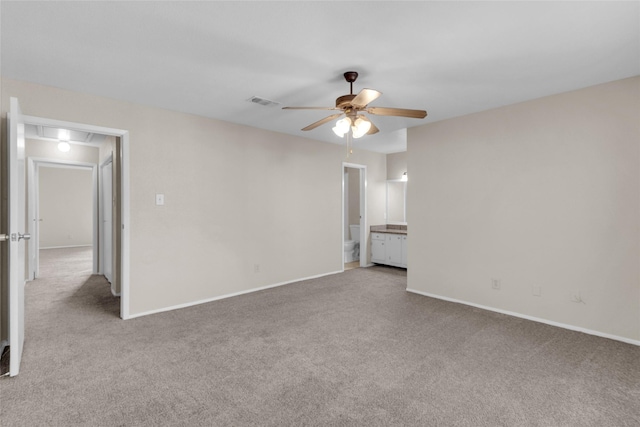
column 101, row 213
column 123, row 172
column 33, row 206
column 364, row 253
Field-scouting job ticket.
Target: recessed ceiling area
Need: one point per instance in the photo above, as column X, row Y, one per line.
column 209, row 58
column 52, row 134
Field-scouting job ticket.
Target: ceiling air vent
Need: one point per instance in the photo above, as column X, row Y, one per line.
column 262, row 101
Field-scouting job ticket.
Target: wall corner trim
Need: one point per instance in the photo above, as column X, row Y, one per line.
column 532, row 318
column 204, row 301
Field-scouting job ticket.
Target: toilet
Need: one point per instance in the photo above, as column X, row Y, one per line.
column 352, row 247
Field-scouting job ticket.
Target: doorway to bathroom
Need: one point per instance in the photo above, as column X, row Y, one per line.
column 354, row 249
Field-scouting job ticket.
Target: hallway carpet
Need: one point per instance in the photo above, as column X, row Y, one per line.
column 348, row 349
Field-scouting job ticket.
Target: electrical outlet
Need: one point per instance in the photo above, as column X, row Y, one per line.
column 495, row 284
column 159, row 199
column 537, row 291
column 256, row 268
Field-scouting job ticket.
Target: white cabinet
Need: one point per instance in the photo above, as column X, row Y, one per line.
column 377, row 248
column 394, row 249
column 404, row 251
column 389, row 248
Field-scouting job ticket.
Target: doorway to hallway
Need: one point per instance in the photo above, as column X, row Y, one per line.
column 120, row 203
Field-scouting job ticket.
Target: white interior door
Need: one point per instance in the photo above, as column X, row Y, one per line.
column 107, row 215
column 16, row 247
column 32, row 223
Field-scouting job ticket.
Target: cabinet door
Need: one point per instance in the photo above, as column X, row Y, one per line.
column 394, row 249
column 377, row 236
column 377, row 251
column 404, row 251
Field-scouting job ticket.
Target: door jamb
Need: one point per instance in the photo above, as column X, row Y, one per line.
column 101, row 209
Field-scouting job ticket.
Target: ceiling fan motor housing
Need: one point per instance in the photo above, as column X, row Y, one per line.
column 344, row 101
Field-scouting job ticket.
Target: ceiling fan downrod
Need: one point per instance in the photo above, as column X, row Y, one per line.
column 350, row 77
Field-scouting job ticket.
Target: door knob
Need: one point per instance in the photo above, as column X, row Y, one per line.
column 16, row 237
column 4, row 237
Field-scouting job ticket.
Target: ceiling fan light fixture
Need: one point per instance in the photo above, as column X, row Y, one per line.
column 357, row 133
column 360, row 127
column 342, row 126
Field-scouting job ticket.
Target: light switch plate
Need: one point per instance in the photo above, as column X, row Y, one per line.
column 159, row 199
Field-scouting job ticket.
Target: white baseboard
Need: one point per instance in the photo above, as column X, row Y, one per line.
column 235, row 294
column 113, row 291
column 65, row 247
column 527, row 317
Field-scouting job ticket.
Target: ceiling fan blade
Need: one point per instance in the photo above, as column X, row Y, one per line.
column 398, row 112
column 373, row 129
column 310, row 108
column 323, row 121
column 365, row 97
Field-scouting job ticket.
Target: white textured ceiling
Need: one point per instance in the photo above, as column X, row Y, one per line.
column 208, row 58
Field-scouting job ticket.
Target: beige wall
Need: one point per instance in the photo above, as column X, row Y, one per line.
column 353, row 194
column 396, row 165
column 235, row 197
column 66, row 207
column 543, row 193
column 396, row 202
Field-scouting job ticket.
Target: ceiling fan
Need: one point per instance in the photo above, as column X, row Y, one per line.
column 353, row 107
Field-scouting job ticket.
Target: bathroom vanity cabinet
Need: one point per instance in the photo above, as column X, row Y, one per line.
column 389, row 248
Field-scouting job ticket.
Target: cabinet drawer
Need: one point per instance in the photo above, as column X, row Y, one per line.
column 377, row 236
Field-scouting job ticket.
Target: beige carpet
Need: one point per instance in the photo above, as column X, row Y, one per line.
column 348, row 349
